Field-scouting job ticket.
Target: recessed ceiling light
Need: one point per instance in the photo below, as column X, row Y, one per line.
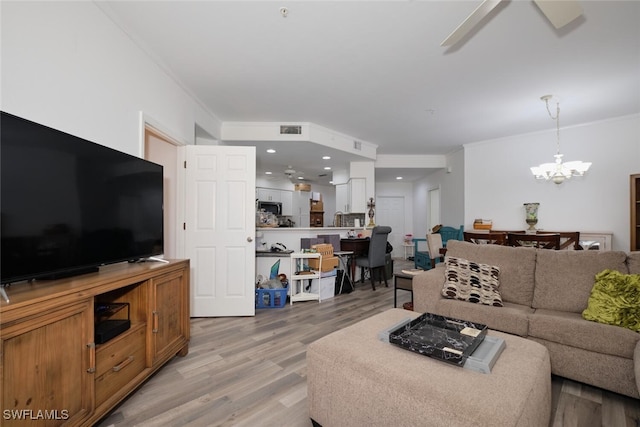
column 398, row 177
column 271, row 151
column 301, row 177
column 268, row 173
column 327, row 168
column 326, row 157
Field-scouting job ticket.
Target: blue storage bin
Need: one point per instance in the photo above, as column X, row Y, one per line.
column 271, row 298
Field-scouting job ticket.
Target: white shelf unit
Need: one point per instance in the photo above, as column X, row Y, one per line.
column 297, row 282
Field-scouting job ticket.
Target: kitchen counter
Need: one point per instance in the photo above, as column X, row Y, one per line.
column 320, row 230
column 274, row 254
column 290, row 237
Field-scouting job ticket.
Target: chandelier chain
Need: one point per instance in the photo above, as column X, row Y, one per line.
column 556, row 119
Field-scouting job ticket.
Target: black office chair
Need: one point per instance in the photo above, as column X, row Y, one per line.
column 376, row 257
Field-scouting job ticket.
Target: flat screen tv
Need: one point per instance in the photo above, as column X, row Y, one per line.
column 69, row 205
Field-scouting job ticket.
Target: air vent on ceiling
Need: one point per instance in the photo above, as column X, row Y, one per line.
column 290, row 130
column 357, row 145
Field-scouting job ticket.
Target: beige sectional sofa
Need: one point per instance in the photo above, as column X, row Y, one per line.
column 544, row 293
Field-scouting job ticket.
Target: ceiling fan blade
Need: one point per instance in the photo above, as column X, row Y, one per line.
column 472, row 20
column 560, row 13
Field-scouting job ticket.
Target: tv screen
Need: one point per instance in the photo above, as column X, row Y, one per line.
column 69, row 205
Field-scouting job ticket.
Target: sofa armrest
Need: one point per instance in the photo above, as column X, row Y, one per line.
column 426, row 289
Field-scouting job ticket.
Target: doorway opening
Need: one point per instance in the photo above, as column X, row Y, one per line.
column 163, row 150
column 434, row 208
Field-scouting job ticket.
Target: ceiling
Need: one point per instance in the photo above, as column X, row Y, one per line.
column 376, row 71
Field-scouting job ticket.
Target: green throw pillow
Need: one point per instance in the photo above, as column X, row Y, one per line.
column 615, row 300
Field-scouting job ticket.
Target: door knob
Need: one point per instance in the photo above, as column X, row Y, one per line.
column 249, row 239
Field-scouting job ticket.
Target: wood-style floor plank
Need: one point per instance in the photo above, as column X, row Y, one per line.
column 251, row 371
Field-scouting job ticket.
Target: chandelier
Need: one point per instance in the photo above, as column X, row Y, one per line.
column 558, row 171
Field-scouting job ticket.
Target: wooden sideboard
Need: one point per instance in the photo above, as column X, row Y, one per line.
column 54, row 373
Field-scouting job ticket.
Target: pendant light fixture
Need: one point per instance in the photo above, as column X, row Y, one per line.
column 558, row 171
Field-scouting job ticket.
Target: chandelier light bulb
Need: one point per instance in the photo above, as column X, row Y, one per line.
column 558, row 171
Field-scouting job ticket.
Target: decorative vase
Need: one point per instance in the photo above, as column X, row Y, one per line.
column 531, row 218
column 371, row 205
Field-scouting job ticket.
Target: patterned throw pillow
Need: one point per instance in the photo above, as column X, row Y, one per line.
column 471, row 281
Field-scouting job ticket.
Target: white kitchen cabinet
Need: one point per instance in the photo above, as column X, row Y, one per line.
column 342, row 198
column 268, row 194
column 286, row 197
column 351, row 197
column 358, row 195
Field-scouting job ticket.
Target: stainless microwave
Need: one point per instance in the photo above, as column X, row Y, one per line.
column 273, row 207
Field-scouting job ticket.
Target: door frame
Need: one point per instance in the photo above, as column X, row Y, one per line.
column 149, row 124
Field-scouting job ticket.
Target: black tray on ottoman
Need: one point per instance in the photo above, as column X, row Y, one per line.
column 447, row 339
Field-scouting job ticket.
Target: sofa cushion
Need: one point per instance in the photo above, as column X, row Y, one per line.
column 615, row 300
column 472, row 282
column 517, row 266
column 563, row 279
column 512, row 318
column 572, row 330
column 633, row 262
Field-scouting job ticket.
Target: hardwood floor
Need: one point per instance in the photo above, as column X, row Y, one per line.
column 251, row 371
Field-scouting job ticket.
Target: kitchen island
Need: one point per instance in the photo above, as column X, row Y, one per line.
column 290, row 238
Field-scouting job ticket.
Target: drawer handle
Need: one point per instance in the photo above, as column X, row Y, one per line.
column 124, row 363
column 92, row 357
column 155, row 322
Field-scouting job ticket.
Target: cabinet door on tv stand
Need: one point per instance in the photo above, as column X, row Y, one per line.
column 47, row 368
column 170, row 316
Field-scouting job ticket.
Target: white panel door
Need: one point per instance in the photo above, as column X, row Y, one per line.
column 390, row 211
column 220, row 229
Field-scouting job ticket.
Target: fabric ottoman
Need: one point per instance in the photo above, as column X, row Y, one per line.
column 354, row 379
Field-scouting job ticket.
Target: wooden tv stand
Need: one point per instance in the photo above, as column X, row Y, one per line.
column 52, row 370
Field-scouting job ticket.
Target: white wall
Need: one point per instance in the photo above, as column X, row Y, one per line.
column 498, row 180
column 66, row 65
column 452, row 190
column 491, row 180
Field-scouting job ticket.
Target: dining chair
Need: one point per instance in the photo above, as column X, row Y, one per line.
column 446, row 233
column 436, row 248
column 451, row 233
column 568, row 239
column 375, row 260
column 489, row 238
column 540, row 241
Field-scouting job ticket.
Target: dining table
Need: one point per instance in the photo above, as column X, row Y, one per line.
column 359, row 247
